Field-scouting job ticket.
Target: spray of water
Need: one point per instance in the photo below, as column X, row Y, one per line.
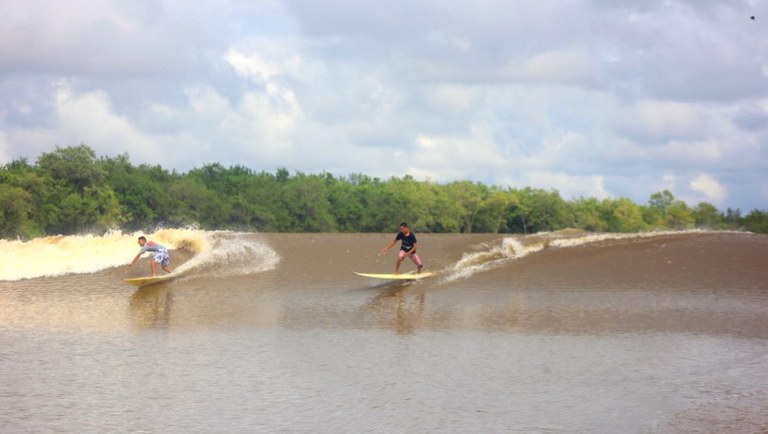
column 513, row 248
column 233, row 255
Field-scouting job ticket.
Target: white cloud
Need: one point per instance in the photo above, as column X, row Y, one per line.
column 4, row 149
column 763, row 191
column 453, row 157
column 253, row 66
column 271, row 115
column 663, row 120
column 425, row 142
column 275, row 115
column 668, row 181
column 89, row 118
column 569, row 186
column 206, row 102
column 687, row 153
column 710, row 187
column 452, row 98
column 559, row 66
column 77, row 118
column 586, row 97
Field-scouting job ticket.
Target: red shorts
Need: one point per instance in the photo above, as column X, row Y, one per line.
column 414, row 257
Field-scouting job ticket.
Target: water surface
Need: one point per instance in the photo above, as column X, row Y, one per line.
column 562, row 332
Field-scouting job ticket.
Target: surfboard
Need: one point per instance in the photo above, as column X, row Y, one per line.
column 407, row 276
column 149, row 280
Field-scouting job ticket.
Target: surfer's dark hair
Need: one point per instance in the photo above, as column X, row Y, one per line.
column 142, row 238
column 403, row 225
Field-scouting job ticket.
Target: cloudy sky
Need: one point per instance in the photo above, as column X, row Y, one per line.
column 594, row 98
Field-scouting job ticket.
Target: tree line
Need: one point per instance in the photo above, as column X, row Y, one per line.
column 71, row 191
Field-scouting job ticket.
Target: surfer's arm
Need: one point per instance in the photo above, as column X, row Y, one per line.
column 135, row 259
column 413, row 249
column 388, row 246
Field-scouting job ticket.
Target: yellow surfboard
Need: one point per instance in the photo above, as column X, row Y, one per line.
column 407, row 276
column 149, row 280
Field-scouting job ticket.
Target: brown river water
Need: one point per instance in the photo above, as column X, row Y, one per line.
column 561, row 332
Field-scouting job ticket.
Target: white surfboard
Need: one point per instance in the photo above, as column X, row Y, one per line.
column 149, row 280
column 406, row 276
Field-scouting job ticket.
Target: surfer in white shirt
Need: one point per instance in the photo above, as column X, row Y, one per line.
column 161, row 255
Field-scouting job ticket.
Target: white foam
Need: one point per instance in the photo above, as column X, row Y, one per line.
column 83, row 254
column 513, row 248
column 234, row 254
column 473, row 263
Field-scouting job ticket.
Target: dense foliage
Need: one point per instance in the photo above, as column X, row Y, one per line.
column 72, row 191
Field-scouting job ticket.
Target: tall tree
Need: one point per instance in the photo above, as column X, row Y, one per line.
column 79, row 199
column 756, row 221
column 707, row 216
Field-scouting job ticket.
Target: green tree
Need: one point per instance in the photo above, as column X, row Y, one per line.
column 377, row 201
column 69, row 190
column 74, row 166
column 492, row 211
column 756, row 221
column 680, row 216
column 655, row 215
column 15, row 208
column 405, row 199
column 143, row 194
column 623, row 215
column 661, row 200
column 707, row 216
column 201, row 206
column 588, row 214
column 306, row 200
column 732, row 219
column 461, row 204
column 77, row 199
column 539, row 210
column 23, row 192
column 345, row 206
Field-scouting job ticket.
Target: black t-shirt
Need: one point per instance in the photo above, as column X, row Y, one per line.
column 408, row 240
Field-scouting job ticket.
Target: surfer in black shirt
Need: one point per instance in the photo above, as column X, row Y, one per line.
column 407, row 248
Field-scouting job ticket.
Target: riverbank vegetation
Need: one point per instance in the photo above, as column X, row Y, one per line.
column 71, row 191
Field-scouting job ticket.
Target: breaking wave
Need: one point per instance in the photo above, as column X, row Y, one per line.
column 487, row 257
column 229, row 253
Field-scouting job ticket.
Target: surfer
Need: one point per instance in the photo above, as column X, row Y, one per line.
column 407, row 248
column 161, row 255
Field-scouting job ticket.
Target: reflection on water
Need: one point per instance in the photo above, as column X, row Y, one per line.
column 151, row 306
column 398, row 310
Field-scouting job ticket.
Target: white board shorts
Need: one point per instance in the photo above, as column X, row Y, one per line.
column 162, row 257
